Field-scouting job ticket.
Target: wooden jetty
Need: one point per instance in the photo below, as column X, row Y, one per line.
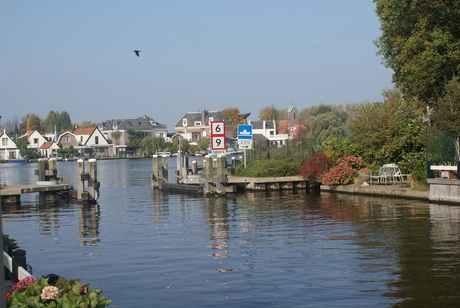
column 51, row 188
column 12, row 193
column 216, row 177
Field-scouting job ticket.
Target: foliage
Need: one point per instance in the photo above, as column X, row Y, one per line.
column 315, row 167
column 342, row 173
column 203, row 143
column 34, row 122
column 420, row 41
column 324, row 121
column 22, row 144
column 386, row 132
column 271, row 113
column 340, row 146
column 269, row 168
column 30, row 292
column 116, row 137
column 234, row 117
column 151, row 144
column 69, row 152
column 446, row 115
column 134, row 140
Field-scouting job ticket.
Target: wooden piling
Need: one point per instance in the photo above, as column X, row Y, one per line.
column 91, row 194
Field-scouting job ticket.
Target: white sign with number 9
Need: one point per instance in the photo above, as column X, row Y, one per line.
column 218, row 143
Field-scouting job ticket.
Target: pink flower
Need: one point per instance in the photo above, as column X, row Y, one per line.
column 50, row 292
column 21, row 285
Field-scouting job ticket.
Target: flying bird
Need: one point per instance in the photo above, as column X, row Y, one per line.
column 137, row 52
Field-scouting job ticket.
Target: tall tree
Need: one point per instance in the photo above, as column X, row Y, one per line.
column 63, row 121
column 34, row 122
column 324, row 121
column 51, row 121
column 420, row 41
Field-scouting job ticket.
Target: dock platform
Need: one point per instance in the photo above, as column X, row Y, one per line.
column 12, row 193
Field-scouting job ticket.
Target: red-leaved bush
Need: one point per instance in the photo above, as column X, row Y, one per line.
column 314, row 168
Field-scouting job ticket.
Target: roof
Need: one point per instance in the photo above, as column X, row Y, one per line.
column 141, row 123
column 46, row 145
column 291, row 108
column 84, row 131
column 197, row 116
column 260, row 124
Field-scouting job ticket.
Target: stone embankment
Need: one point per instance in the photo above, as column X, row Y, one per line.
column 379, row 190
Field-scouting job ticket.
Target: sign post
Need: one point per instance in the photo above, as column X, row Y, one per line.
column 245, row 139
column 218, row 144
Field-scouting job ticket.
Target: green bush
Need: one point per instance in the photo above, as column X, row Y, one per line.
column 30, row 292
column 270, row 168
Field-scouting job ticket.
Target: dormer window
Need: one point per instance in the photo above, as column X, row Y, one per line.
column 197, row 123
column 211, row 119
column 184, row 122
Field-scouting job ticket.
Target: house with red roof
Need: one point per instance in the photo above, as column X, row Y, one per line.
column 49, row 149
column 91, row 141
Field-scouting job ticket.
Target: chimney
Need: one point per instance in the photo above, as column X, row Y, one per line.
column 204, row 115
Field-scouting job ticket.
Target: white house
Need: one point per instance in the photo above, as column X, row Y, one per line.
column 8, row 148
column 49, row 149
column 91, row 141
column 35, row 140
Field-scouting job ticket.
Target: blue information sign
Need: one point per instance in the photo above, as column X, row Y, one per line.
column 244, row 131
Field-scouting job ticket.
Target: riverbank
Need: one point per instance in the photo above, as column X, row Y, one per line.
column 379, row 190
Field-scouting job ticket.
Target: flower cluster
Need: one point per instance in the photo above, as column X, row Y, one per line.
column 314, row 168
column 339, row 175
column 30, row 292
column 351, row 161
column 343, row 172
column 50, row 292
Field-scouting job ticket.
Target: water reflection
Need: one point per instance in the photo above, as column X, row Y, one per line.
column 89, row 224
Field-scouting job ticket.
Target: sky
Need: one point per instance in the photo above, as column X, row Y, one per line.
column 77, row 56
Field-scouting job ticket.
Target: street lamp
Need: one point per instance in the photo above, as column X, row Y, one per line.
column 426, row 121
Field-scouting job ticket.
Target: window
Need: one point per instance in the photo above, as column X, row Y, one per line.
column 67, row 139
column 4, row 141
column 35, row 140
column 96, row 140
column 184, row 122
column 211, row 119
column 197, row 123
column 272, row 133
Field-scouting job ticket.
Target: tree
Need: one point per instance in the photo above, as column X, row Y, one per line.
column 116, row 137
column 388, row 132
column 34, row 122
column 446, row 115
column 234, row 117
column 12, row 126
column 420, row 41
column 324, row 121
column 63, row 121
column 51, row 122
column 151, row 144
column 271, row 113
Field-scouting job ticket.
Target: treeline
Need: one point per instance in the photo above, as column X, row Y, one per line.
column 55, row 121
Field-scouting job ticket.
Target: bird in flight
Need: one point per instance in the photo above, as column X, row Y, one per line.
column 137, row 52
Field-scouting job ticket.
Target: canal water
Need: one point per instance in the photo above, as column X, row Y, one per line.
column 147, row 248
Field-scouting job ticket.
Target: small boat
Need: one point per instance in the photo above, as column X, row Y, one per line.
column 17, row 160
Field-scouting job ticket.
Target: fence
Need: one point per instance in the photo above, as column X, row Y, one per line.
column 441, row 148
column 264, row 149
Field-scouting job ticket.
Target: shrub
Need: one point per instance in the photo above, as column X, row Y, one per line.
column 339, row 175
column 343, row 172
column 269, row 168
column 314, row 168
column 30, row 292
